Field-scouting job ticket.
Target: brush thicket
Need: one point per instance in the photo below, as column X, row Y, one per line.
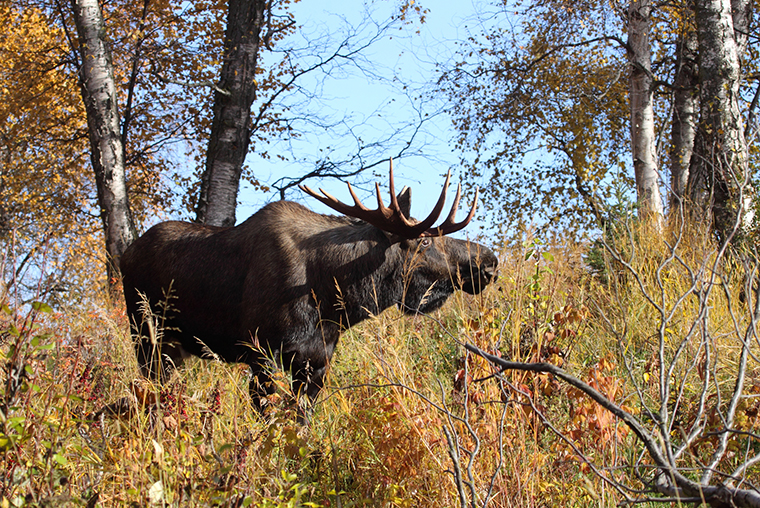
column 406, row 419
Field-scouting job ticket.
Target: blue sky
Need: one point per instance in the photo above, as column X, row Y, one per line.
column 375, row 106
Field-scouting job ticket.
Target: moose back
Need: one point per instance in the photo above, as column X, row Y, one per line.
column 283, row 284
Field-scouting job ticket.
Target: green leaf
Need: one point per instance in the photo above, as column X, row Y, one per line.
column 288, row 477
column 548, row 256
column 70, row 396
column 60, row 459
column 42, row 307
column 16, row 421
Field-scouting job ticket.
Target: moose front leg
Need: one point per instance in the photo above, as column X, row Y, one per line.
column 308, row 380
column 157, row 360
column 260, row 386
column 310, row 368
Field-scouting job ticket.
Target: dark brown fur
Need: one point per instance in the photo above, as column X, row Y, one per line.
column 283, row 285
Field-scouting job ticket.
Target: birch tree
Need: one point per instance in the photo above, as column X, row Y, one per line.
column 230, row 130
column 540, row 109
column 562, row 87
column 685, row 112
column 245, row 100
column 643, row 138
column 719, row 177
column 98, row 88
column 519, row 90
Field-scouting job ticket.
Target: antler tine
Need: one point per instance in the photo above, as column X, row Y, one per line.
column 449, row 226
column 391, row 218
column 423, row 227
column 391, row 188
column 396, row 209
column 454, row 207
column 384, row 210
column 357, row 203
column 327, row 199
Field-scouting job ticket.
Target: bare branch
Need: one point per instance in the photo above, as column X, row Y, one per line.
column 188, row 84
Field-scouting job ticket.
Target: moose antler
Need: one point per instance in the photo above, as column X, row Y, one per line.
column 391, row 219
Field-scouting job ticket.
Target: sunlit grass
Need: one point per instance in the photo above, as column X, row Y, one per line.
column 400, row 392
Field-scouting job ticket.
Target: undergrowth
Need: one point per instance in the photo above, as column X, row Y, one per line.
column 407, row 419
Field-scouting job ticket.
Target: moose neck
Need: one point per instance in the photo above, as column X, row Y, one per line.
column 361, row 273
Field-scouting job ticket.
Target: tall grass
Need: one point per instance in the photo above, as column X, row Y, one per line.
column 407, row 417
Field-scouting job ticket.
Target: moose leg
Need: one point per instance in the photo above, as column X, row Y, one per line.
column 309, row 367
column 157, row 355
column 157, row 361
column 308, row 379
column 260, row 387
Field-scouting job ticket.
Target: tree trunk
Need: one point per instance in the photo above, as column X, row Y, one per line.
column 719, row 176
column 643, row 140
column 98, row 87
column 741, row 15
column 230, row 129
column 685, row 115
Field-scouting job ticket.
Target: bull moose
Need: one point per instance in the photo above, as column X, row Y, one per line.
column 283, row 284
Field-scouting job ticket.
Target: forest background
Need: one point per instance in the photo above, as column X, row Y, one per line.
column 629, row 123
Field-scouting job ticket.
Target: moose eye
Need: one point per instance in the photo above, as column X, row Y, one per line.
column 425, row 242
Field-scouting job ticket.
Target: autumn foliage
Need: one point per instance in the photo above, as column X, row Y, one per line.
column 660, row 326
column 80, row 424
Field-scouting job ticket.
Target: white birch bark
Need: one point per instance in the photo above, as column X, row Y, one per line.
column 230, row 130
column 643, row 140
column 685, row 116
column 719, row 174
column 99, row 94
column 741, row 15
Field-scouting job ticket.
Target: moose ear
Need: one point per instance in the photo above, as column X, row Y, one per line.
column 404, row 199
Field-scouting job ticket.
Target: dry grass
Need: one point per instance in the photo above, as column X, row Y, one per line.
column 404, row 412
